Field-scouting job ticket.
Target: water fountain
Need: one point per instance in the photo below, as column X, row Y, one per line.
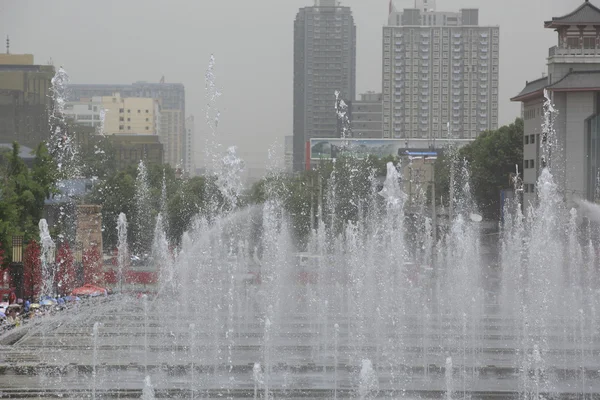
column 378, row 317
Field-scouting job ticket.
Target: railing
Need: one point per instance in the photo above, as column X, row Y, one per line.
column 578, row 52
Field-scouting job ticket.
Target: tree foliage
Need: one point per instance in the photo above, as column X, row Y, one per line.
column 23, row 192
column 492, row 157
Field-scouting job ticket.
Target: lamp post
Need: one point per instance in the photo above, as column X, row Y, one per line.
column 16, row 266
column 79, row 274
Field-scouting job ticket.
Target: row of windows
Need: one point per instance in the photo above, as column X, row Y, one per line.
column 122, row 128
column 529, row 164
column 122, row 110
column 529, row 139
column 529, row 187
column 532, row 113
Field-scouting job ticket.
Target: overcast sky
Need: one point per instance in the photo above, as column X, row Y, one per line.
column 122, row 41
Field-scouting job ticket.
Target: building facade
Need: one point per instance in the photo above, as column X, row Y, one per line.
column 366, row 116
column 130, row 149
column 122, row 115
column 171, row 97
column 573, row 84
column 25, row 100
column 439, row 68
column 324, row 62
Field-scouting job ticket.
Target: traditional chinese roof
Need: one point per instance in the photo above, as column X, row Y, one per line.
column 578, row 81
column 532, row 89
column 585, row 14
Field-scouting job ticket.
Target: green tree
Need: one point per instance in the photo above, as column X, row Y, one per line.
column 492, row 157
column 23, row 192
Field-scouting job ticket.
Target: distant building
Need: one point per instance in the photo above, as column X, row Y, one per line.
column 171, row 98
column 439, row 68
column 130, row 149
column 324, row 62
column 366, row 116
column 25, row 100
column 288, row 154
column 122, row 115
column 573, row 83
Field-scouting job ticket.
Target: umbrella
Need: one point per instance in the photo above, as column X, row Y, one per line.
column 34, row 306
column 47, row 302
column 2, row 315
column 88, row 290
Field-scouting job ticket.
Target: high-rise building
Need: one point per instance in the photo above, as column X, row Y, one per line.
column 324, row 62
column 25, row 100
column 573, row 84
column 439, row 68
column 366, row 116
column 172, row 103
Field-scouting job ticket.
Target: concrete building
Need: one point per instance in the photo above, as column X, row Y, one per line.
column 366, row 116
column 122, row 115
column 25, row 99
column 439, row 68
column 573, row 83
column 171, row 98
column 85, row 113
column 324, row 62
column 130, row 149
column 288, row 154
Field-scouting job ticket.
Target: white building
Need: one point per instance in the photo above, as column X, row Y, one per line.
column 573, row 83
column 85, row 113
column 439, row 68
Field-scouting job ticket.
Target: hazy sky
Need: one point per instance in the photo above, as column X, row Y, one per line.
column 122, row 41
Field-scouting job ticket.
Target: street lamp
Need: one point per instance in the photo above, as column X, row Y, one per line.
column 16, row 266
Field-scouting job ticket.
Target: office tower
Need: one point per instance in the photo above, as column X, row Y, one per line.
column 25, row 99
column 324, row 62
column 439, row 68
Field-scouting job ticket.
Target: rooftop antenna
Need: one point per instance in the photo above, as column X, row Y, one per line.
column 7, row 44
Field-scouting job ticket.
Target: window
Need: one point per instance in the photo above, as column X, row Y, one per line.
column 531, row 163
column 121, row 110
column 146, row 119
column 526, row 164
column 129, row 111
column 121, row 127
column 526, row 186
column 121, row 119
column 128, row 128
column 147, row 128
column 589, row 42
column 147, row 111
column 573, row 43
column 532, row 187
column 532, row 139
column 89, row 108
column 128, row 119
column 139, row 111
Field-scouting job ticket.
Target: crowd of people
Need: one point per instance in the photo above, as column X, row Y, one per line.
column 14, row 311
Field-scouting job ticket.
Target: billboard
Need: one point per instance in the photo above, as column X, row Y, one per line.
column 327, row 148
